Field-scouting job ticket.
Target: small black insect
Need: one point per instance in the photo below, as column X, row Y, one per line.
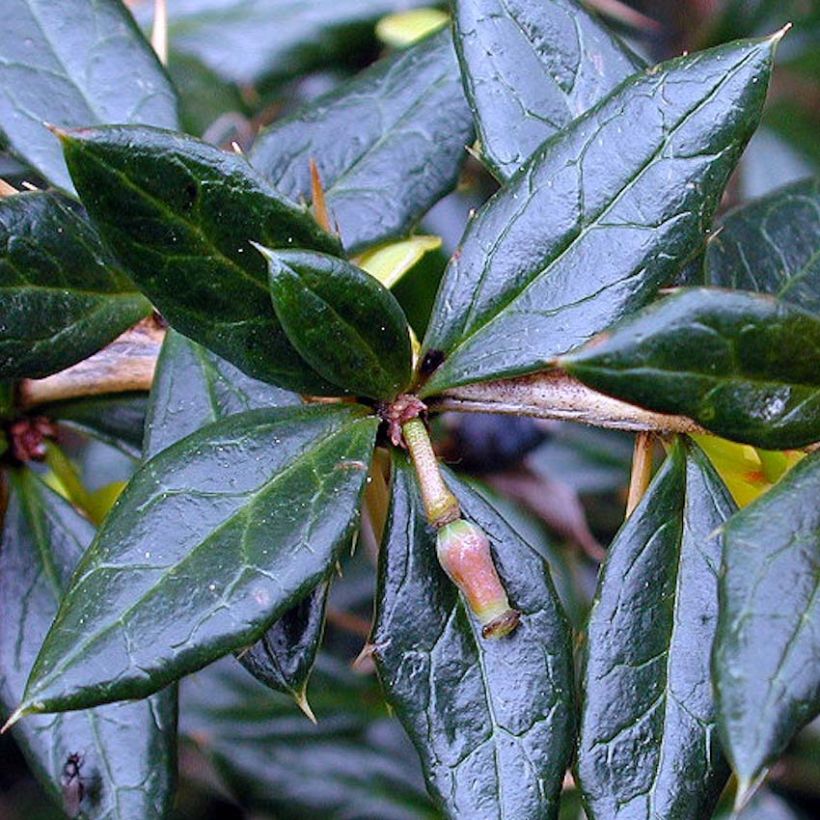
column 71, row 782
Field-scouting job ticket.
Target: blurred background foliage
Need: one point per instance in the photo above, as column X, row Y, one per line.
column 245, row 751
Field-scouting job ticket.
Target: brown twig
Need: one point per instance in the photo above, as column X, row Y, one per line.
column 127, row 364
column 556, row 395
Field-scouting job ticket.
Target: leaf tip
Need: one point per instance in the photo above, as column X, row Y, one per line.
column 302, row 703
column 58, row 132
column 19, row 712
column 746, row 788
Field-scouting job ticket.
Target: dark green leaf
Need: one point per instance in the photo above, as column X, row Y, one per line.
column 530, row 69
column 128, row 749
column 768, row 641
column 116, row 419
column 345, row 324
column 743, row 365
column 283, row 658
column 212, row 541
column 62, row 297
column 647, row 746
column 641, row 172
column 492, row 720
column 353, row 764
column 74, row 63
column 180, row 215
column 256, row 40
column 388, row 144
column 194, row 387
column 772, row 246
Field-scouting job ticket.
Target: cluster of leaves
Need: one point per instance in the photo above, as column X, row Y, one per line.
column 698, row 648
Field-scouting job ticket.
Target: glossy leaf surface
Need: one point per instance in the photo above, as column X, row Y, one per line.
column 180, row 215
column 62, row 296
column 273, row 39
column 743, row 365
column 641, row 172
column 765, row 662
column 388, row 144
column 117, row 419
column 212, row 540
column 491, row 720
column 74, row 63
column 647, row 743
column 194, row 387
column 129, row 749
column 345, row 324
column 354, row 763
column 772, row 246
column 532, row 68
column 283, row 657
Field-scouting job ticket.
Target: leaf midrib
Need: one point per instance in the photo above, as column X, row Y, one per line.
column 593, row 223
column 69, row 659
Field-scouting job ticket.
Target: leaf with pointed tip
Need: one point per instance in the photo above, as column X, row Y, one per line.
column 641, row 172
column 529, row 69
column 180, row 215
column 491, row 720
column 62, row 295
column 283, row 657
column 388, row 144
column 116, row 419
column 75, row 63
column 741, row 364
column 193, row 388
column 647, row 743
column 128, row 749
column 768, row 639
column 346, row 325
column 771, row 246
column 212, row 541
column 354, row 764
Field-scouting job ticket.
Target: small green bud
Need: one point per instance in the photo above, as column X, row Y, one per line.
column 464, row 553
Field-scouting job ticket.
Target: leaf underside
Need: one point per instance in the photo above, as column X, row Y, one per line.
column 128, row 749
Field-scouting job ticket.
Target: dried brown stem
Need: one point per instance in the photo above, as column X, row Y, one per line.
column 556, row 395
column 127, row 364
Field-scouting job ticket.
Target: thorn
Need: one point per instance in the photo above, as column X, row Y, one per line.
column 58, row 132
column 746, row 790
column 266, row 252
column 237, row 148
column 29, row 186
column 6, row 189
column 364, row 656
column 318, row 196
column 159, row 31
column 302, row 703
column 19, row 712
column 781, row 33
